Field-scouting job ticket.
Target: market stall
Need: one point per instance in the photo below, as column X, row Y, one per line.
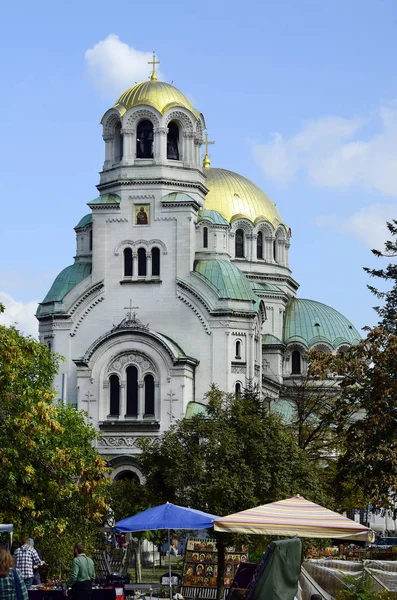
column 294, row 517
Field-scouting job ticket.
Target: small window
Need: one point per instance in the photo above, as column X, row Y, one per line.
column 275, row 251
column 141, row 262
column 132, row 391
column 144, row 140
column 239, row 249
column 90, row 240
column 237, row 389
column 296, row 362
column 238, row 349
column 205, row 237
column 173, row 141
column 155, row 262
column 114, row 396
column 259, row 246
column 127, row 262
column 118, row 143
column 149, row 395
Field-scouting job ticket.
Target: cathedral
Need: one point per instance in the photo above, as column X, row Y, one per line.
column 181, row 278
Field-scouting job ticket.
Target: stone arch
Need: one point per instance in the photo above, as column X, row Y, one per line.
column 265, row 227
column 109, row 122
column 132, row 118
column 243, row 224
column 180, row 117
column 125, row 464
column 322, row 347
column 134, row 244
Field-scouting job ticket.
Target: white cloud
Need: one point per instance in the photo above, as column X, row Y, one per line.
column 368, row 224
column 114, row 66
column 333, row 152
column 20, row 314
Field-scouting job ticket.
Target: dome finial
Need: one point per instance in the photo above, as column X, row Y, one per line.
column 153, row 62
column 206, row 161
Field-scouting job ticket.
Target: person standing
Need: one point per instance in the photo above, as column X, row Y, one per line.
column 83, row 574
column 26, row 558
column 11, row 579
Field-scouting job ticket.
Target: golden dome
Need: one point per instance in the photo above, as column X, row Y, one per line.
column 158, row 94
column 233, row 195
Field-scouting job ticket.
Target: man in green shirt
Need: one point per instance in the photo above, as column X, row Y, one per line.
column 83, row 574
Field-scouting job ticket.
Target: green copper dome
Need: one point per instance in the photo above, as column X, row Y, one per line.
column 310, row 322
column 64, row 282
column 86, row 220
column 226, row 279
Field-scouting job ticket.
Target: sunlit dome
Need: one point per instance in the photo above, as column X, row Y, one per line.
column 157, row 94
column 233, row 195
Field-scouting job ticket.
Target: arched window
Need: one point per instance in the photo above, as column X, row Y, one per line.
column 259, row 246
column 155, row 262
column 237, row 389
column 132, row 391
column 296, row 362
column 205, row 237
column 127, row 262
column 141, row 262
column 144, row 140
column 173, row 141
column 114, row 396
column 239, row 250
column 275, row 257
column 91, row 240
column 238, row 349
column 149, row 395
column 118, row 143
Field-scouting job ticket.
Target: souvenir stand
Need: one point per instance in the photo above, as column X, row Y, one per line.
column 200, row 568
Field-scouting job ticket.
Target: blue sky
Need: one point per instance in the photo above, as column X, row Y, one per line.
column 299, row 95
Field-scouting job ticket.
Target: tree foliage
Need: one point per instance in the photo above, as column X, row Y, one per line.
column 237, row 456
column 388, row 312
column 52, row 478
column 367, row 468
column 316, row 412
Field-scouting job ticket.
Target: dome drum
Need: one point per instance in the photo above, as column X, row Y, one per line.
column 153, row 121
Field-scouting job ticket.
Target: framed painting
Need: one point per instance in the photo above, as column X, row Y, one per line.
column 142, row 214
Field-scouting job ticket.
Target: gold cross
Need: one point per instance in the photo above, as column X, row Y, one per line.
column 153, row 62
column 129, row 310
column 206, row 143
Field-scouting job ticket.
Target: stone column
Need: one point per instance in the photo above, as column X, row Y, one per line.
column 197, row 146
column 269, row 249
column 128, row 139
column 141, row 400
column 123, row 399
column 134, row 265
column 108, row 152
column 160, row 145
column 148, row 266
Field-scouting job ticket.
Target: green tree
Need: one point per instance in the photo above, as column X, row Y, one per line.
column 235, row 457
column 388, row 312
column 367, row 466
column 52, row 480
column 316, row 416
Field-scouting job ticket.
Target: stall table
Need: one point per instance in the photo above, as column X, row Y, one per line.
column 97, row 594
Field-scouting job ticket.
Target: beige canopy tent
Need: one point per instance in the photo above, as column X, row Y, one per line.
column 294, row 516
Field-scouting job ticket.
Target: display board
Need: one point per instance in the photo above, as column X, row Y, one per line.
column 200, row 568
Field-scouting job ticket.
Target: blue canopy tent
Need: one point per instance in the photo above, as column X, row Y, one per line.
column 167, row 516
column 9, row 529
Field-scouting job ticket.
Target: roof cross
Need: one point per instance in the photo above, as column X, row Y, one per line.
column 130, row 315
column 206, row 143
column 153, row 62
